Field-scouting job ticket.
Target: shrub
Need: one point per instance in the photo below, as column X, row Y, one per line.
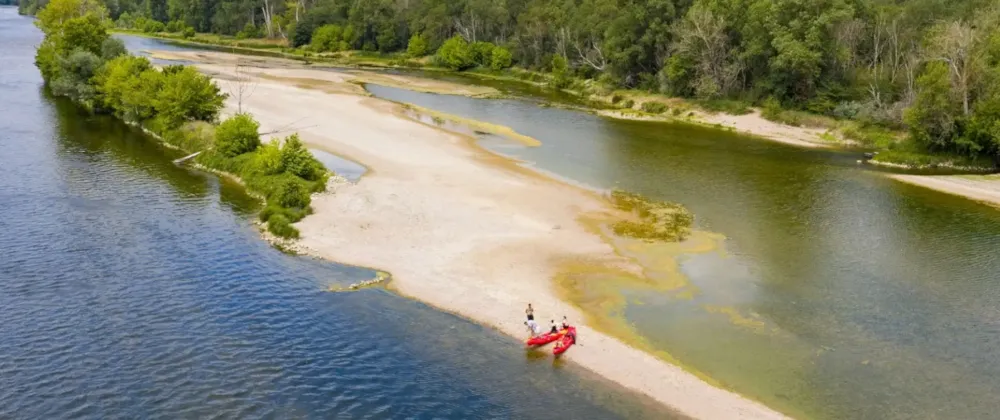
column 292, row 194
column 481, row 53
column 654, row 107
column 237, row 135
column 280, row 226
column 175, row 26
column 326, row 38
column 112, row 48
column 296, row 160
column 293, row 215
column 251, row 31
column 417, row 47
column 628, row 103
column 616, row 98
column 454, row 54
column 152, row 26
column 501, row 58
column 189, row 32
column 187, row 95
column 267, row 160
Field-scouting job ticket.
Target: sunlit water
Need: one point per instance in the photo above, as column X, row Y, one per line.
column 838, row 293
column 134, row 288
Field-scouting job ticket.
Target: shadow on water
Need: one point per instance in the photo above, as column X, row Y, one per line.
column 839, row 293
column 129, row 289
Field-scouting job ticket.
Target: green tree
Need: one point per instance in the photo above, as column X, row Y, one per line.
column 481, row 53
column 112, row 48
column 187, row 95
column 292, row 194
column 501, row 58
column 115, row 78
column 417, row 47
column 327, row 38
column 297, row 160
column 931, row 119
column 237, row 135
column 454, row 54
column 75, row 72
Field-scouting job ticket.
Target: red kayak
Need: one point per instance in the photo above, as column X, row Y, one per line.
column 567, row 340
column 544, row 339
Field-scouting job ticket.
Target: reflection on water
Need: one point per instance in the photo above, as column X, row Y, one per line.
column 133, row 288
column 839, row 294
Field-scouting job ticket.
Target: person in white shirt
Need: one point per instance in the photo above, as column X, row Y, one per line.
column 533, row 327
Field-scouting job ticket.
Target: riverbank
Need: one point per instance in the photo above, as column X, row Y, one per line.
column 463, row 229
column 982, row 188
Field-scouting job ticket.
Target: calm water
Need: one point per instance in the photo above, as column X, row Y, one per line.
column 133, row 288
column 839, row 293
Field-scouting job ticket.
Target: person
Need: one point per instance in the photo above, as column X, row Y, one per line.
column 533, row 327
column 530, row 312
column 555, row 329
column 565, row 323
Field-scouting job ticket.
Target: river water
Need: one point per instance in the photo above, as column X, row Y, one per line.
column 837, row 292
column 133, row 288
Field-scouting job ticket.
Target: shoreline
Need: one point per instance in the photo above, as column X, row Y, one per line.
column 981, row 188
column 500, row 232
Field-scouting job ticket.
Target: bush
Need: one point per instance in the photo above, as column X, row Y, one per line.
column 251, row 31
column 654, row 107
column 326, row 38
column 501, row 58
column 293, row 215
column 112, row 48
column 237, row 135
column 189, row 32
column 417, row 47
column 628, row 103
column 292, row 194
column 481, row 53
column 267, row 160
column 616, row 98
column 152, row 26
column 296, row 160
column 454, row 54
column 175, row 26
column 187, row 95
column 280, row 226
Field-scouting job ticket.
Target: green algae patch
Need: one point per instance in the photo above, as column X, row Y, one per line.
column 652, row 220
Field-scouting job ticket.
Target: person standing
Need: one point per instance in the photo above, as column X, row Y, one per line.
column 530, row 312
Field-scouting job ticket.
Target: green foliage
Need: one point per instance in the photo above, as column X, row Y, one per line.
column 251, row 31
column 189, row 32
column 455, row 54
column 931, row 119
column 280, row 226
column 292, row 194
column 481, row 53
column 560, row 72
column 654, row 107
column 296, row 160
column 327, row 38
column 237, row 135
column 175, row 26
column 75, row 72
column 116, row 79
column 268, row 159
column 112, row 48
column 417, row 47
column 187, row 95
column 153, row 26
column 628, row 104
column 501, row 58
column 727, row 106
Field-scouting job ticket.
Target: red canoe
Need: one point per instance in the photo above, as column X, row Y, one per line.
column 565, row 342
column 544, row 338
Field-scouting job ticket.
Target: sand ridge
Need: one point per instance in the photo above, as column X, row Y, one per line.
column 465, row 230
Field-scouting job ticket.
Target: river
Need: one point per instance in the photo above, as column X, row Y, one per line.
column 134, row 288
column 837, row 292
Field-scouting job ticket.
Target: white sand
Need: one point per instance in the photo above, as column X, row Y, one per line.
column 465, row 231
column 984, row 188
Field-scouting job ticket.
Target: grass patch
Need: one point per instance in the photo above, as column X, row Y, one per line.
column 280, row 226
column 872, row 136
column 727, row 106
column 656, row 220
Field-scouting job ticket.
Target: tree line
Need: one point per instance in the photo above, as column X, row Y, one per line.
column 927, row 66
column 79, row 60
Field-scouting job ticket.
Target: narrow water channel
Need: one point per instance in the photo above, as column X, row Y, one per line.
column 134, row 288
column 837, row 293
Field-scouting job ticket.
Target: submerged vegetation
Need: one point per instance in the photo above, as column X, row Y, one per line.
column 80, row 61
column 654, row 220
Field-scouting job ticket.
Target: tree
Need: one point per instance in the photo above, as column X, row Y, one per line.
column 237, row 135
column 75, row 73
column 956, row 44
column 112, row 48
column 417, row 47
column 187, row 95
column 454, row 54
column 114, row 79
column 297, row 160
column 326, row 38
column 501, row 58
column 931, row 119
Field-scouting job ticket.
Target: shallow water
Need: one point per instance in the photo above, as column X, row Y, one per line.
column 838, row 293
column 134, row 288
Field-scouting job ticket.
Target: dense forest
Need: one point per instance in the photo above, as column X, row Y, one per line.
column 931, row 67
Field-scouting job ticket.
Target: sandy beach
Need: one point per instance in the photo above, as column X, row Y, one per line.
column 460, row 228
column 983, row 188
